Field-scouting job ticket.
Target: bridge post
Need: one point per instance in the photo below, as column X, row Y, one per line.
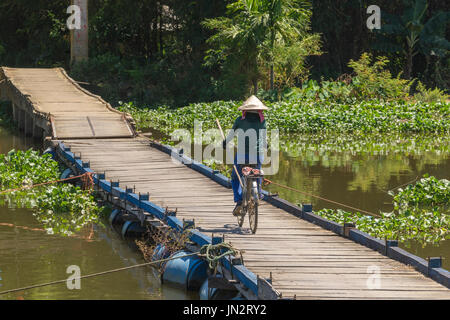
column 14, row 111
column 28, row 124
column 37, row 131
column 20, row 119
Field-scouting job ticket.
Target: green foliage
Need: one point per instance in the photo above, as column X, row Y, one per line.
column 430, row 95
column 289, row 61
column 306, row 116
column 62, row 208
column 371, row 80
column 411, row 34
column 374, row 81
column 33, row 33
column 255, row 30
column 421, row 213
column 19, row 168
column 65, row 208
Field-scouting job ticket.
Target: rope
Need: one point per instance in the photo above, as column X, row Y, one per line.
column 211, row 252
column 96, row 274
column 214, row 252
column 266, row 182
column 86, row 177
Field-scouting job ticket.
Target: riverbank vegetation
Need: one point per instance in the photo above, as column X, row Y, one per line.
column 62, row 208
column 421, row 212
column 370, row 101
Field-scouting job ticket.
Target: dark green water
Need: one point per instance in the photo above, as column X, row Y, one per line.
column 29, row 256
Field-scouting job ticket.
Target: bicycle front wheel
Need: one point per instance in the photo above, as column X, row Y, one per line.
column 252, row 211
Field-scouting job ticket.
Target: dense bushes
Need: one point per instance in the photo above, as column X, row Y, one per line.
column 370, row 80
column 168, row 81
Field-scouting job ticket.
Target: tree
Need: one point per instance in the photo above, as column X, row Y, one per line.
column 415, row 35
column 253, row 30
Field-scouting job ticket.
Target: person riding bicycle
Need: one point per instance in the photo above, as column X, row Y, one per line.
column 250, row 130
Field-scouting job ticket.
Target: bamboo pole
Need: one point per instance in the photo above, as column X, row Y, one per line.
column 234, row 166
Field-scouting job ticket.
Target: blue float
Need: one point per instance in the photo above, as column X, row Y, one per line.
column 217, row 294
column 132, row 229
column 160, row 253
column 66, row 173
column 204, row 294
column 189, row 272
column 50, row 151
column 113, row 216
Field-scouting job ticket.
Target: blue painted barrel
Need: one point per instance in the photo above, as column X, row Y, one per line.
column 160, row 253
column 50, row 151
column 113, row 216
column 189, row 272
column 217, row 294
column 66, row 174
column 132, row 229
column 203, row 293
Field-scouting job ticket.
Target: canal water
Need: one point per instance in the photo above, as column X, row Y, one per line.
column 359, row 173
column 29, row 256
column 356, row 173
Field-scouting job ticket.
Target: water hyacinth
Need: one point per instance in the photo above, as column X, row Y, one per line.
column 421, row 213
column 305, row 116
column 62, row 208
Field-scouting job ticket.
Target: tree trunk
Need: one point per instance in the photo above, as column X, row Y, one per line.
column 79, row 38
column 255, row 86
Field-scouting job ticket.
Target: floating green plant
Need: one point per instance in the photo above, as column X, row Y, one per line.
column 305, row 116
column 421, row 213
column 62, row 208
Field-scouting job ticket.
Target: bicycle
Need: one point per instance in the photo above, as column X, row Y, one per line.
column 250, row 197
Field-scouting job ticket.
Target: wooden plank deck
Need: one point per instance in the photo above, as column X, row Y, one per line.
column 76, row 113
column 305, row 260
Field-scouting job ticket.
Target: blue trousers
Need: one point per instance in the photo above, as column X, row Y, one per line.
column 237, row 190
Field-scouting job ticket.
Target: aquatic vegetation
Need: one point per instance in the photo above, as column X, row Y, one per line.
column 20, row 168
column 421, row 213
column 305, row 116
column 62, row 208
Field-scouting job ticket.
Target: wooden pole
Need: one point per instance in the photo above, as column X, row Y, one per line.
column 79, row 38
column 234, row 167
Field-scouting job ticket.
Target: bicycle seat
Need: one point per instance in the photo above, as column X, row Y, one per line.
column 248, row 171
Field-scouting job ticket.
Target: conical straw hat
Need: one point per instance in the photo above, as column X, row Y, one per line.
column 252, row 103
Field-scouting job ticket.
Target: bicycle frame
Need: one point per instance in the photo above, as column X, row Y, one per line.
column 250, row 188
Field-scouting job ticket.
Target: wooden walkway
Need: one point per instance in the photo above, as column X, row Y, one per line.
column 305, row 260
column 75, row 112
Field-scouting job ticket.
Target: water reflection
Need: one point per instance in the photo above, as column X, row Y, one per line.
column 29, row 256
column 356, row 171
column 360, row 178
